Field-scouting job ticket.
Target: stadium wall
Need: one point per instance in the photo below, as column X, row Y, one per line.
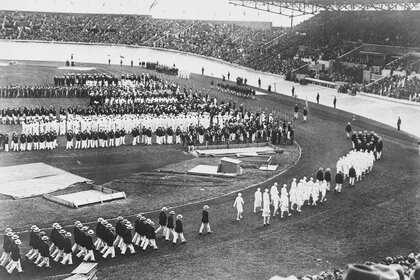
column 99, row 53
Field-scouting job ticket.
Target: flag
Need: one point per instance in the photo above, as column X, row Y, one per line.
column 121, row 56
column 155, row 2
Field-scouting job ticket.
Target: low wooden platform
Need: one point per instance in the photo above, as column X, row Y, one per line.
column 269, row 167
column 95, row 195
column 249, row 151
column 209, row 170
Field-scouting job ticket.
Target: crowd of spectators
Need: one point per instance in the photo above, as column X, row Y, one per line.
column 326, row 36
column 396, row 86
column 339, row 73
column 409, row 63
column 278, row 50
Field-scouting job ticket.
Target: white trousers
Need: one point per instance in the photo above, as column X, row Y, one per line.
column 67, row 258
column 204, row 225
column 44, row 261
column 109, row 250
column 168, row 233
column 163, row 228
column 14, row 265
column 5, row 258
column 179, row 235
column 338, row 187
column 125, row 246
column 89, row 256
column 147, row 242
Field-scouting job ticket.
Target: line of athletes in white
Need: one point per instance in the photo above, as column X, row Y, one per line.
column 305, row 192
column 355, row 165
column 114, row 122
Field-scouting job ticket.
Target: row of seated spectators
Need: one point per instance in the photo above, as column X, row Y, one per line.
column 396, row 86
column 409, row 64
column 325, row 36
column 357, row 59
column 340, row 73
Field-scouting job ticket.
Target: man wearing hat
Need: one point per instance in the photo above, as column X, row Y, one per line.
column 109, row 238
column 31, row 241
column 100, row 226
column 119, row 228
column 143, row 229
column 352, row 176
column 83, row 237
column 284, row 202
column 339, row 178
column 179, row 230
column 7, row 247
column 205, row 220
column 137, row 225
column 320, row 175
column 15, row 258
column 44, row 256
column 34, row 240
column 327, row 178
column 59, row 251
column 170, row 226
column 239, row 204
column 67, row 257
column 257, row 200
column 348, row 130
column 162, row 221
column 53, row 236
column 296, row 114
column 89, row 247
column 77, row 233
column 150, row 238
column 127, row 240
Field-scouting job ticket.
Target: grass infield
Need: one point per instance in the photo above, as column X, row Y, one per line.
column 376, row 218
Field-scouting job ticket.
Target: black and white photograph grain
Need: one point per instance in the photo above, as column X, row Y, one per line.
column 209, row 140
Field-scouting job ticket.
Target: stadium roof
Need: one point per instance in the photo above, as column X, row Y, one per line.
column 302, row 7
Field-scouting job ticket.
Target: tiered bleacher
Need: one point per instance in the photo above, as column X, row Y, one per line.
column 334, row 46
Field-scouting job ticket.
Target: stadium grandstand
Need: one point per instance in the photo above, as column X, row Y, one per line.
column 346, row 48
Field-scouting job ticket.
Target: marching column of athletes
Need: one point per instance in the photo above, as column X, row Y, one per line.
column 84, row 243
column 58, row 246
